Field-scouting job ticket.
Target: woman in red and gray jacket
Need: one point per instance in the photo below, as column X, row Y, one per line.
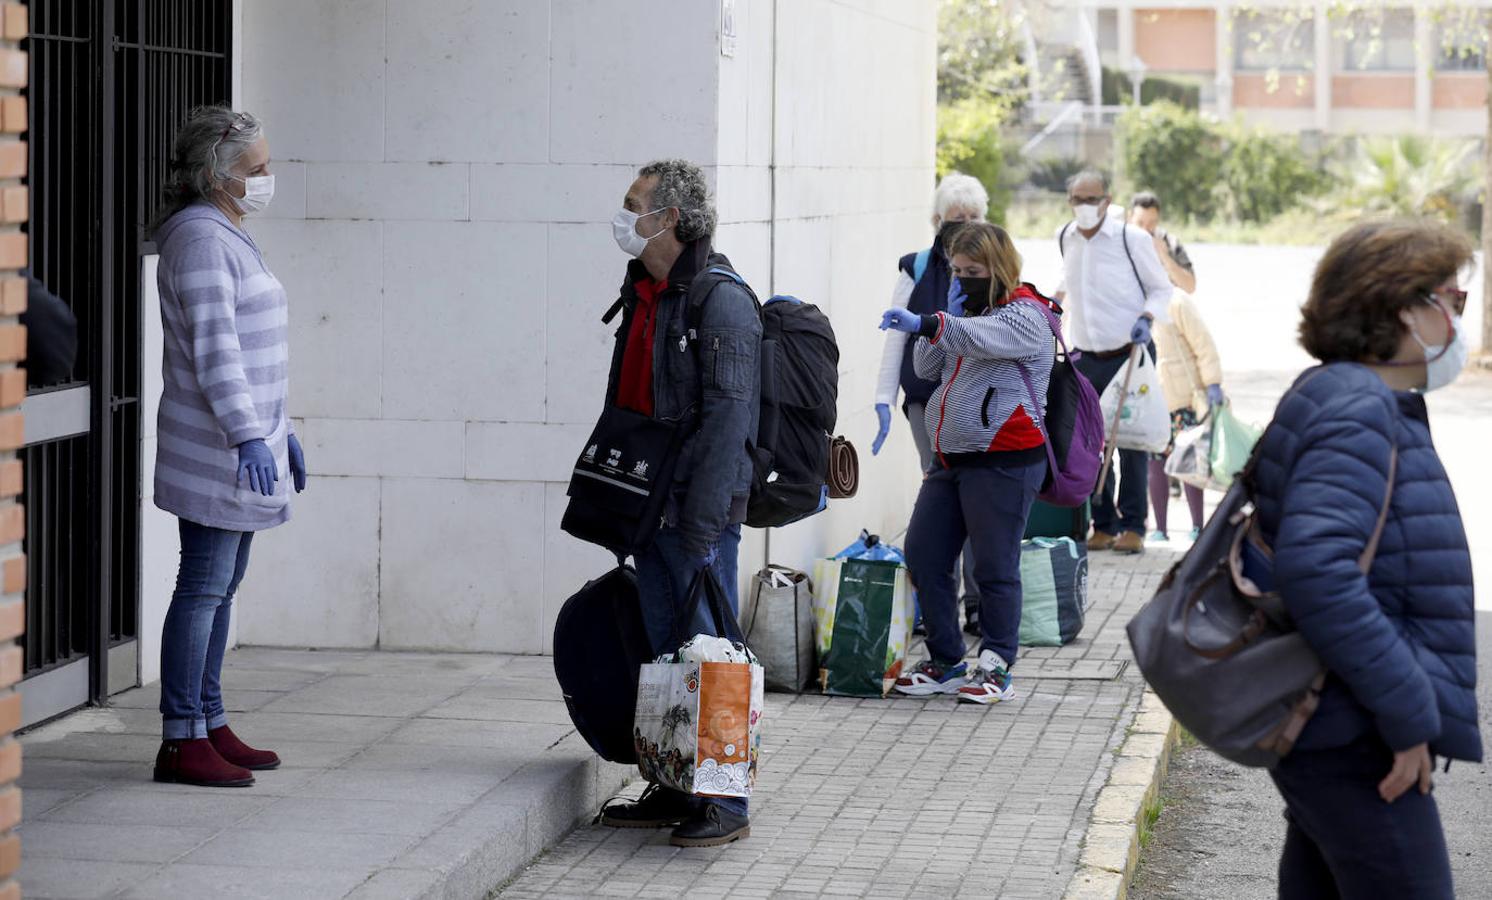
column 990, row 458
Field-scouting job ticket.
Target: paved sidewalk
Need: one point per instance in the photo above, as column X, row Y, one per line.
column 907, row 797
column 406, row 776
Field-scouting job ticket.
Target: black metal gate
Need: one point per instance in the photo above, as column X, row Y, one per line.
column 110, row 81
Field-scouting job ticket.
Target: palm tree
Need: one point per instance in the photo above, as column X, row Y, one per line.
column 1410, row 176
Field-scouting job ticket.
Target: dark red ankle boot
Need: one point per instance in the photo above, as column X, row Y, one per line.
column 196, row 762
column 238, row 753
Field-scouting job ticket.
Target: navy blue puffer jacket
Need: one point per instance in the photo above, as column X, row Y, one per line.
column 1400, row 645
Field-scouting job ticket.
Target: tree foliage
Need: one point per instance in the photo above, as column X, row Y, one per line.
column 1174, row 152
column 969, row 141
column 979, row 53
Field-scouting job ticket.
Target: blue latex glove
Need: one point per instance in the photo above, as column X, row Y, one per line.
column 297, row 464
column 883, row 413
column 257, row 463
column 1140, row 334
column 712, row 554
column 901, row 320
column 956, row 298
column 1215, row 395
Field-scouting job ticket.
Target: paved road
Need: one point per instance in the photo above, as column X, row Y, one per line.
column 1220, row 833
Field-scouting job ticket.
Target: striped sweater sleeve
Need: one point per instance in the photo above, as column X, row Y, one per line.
column 1010, row 332
column 206, row 290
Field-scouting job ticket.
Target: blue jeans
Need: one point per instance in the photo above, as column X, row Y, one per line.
column 195, row 636
column 1343, row 841
column 988, row 506
column 664, row 573
column 1134, row 465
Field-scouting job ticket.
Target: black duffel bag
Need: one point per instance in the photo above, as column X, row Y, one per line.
column 600, row 643
column 621, row 481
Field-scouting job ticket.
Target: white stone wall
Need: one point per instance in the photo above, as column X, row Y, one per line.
column 853, row 153
column 447, row 171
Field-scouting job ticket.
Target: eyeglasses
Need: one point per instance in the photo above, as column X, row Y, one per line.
column 1085, row 201
column 1454, row 299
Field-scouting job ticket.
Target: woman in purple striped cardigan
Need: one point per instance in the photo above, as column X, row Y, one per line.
column 224, row 434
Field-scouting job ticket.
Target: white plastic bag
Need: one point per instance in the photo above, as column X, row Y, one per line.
column 1190, row 461
column 1144, row 421
column 703, row 648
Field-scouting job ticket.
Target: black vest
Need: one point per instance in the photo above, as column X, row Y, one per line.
column 929, row 296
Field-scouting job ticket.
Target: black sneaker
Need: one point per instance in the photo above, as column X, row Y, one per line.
column 971, row 616
column 711, row 827
column 658, row 807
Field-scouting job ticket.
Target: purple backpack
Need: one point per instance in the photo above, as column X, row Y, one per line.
column 1073, row 426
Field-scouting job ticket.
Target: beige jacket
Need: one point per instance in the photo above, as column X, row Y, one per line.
column 1188, row 359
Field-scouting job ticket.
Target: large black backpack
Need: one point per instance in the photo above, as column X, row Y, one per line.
column 799, row 404
column 600, row 642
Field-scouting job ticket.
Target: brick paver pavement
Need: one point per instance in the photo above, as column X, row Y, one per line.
column 906, row 797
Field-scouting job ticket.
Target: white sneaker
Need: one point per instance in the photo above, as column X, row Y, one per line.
column 990, row 682
column 929, row 678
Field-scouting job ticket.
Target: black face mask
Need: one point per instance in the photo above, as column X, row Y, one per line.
column 978, row 292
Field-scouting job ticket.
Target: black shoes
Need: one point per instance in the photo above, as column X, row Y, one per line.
column 696, row 824
column 971, row 616
column 656, row 808
column 711, row 827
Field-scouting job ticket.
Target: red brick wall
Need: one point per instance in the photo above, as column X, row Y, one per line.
column 14, row 208
column 1372, row 91
column 1251, row 91
column 1177, row 40
column 1461, row 90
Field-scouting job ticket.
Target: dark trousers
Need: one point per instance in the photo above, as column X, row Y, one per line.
column 988, row 506
column 1344, row 841
column 917, row 416
column 1134, row 465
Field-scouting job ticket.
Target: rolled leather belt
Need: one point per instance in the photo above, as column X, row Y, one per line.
column 844, row 469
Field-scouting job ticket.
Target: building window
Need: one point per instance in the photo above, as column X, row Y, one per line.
column 1274, row 39
column 1461, row 40
column 1376, row 41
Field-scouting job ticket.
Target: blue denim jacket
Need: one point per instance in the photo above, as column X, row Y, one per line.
column 712, row 382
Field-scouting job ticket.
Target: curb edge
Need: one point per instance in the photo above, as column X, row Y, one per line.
column 1111, row 847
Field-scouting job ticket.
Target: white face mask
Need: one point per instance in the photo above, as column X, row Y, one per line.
column 1087, row 215
column 258, row 190
column 624, row 229
column 1443, row 363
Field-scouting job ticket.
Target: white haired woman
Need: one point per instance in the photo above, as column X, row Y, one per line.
column 922, row 286
column 224, row 433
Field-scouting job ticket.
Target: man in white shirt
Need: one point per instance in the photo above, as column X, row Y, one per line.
column 1113, row 288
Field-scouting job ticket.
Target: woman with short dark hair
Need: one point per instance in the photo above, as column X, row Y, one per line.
column 1353, row 449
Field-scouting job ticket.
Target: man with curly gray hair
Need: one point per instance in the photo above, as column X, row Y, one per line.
column 687, row 350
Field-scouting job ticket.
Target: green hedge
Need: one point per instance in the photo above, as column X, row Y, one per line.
column 1203, row 169
column 1174, row 152
column 1267, row 174
column 1118, row 90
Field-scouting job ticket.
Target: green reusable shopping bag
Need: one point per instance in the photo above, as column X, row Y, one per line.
column 857, row 658
column 1054, row 591
column 1232, row 442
